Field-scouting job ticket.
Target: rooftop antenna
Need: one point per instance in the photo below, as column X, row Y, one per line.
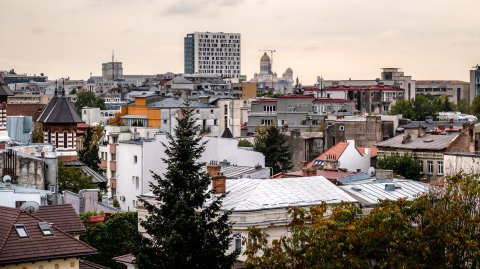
column 56, row 87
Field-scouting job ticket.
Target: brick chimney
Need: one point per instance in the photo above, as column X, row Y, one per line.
column 213, row 169
column 218, row 184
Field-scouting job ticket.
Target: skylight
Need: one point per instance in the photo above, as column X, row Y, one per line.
column 22, row 232
column 45, row 227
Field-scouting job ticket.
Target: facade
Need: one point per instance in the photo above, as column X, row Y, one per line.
column 474, row 82
column 137, row 157
column 461, row 162
column 429, row 149
column 4, row 93
column 455, row 90
column 93, row 115
column 267, row 80
column 213, row 53
column 232, row 115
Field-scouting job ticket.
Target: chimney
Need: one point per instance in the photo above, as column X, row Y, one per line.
column 218, row 184
column 330, row 163
column 213, row 169
column 421, row 132
column 441, row 127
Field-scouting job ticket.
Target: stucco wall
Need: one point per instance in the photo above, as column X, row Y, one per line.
column 71, row 263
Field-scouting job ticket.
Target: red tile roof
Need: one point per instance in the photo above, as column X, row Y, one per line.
column 63, row 217
column 265, row 101
column 331, row 100
column 33, row 110
column 373, row 151
column 35, row 247
column 336, row 151
column 363, row 88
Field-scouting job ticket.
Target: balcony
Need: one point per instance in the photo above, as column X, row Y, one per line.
column 103, row 164
column 113, row 183
column 113, row 166
column 113, row 148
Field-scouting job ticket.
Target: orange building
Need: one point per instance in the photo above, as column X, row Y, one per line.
column 138, row 114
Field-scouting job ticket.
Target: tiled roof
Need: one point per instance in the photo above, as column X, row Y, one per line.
column 265, row 101
column 426, row 142
column 33, row 110
column 328, row 174
column 128, row 258
column 336, row 151
column 63, row 217
column 373, row 151
column 36, row 246
column 90, row 265
column 4, row 89
column 177, row 103
column 59, row 110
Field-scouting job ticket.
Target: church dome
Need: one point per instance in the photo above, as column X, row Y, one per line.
column 289, row 71
column 265, row 58
column 91, row 81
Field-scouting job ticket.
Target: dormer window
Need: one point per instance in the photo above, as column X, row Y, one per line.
column 45, row 227
column 21, row 231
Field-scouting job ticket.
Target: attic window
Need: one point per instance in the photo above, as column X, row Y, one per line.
column 45, row 227
column 22, row 232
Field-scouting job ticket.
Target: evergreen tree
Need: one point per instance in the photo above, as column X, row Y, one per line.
column 89, row 154
column 184, row 226
column 271, row 142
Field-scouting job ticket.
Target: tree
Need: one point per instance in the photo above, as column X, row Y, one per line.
column 271, row 142
column 463, row 106
column 245, row 143
column 403, row 107
column 88, row 99
column 475, row 108
column 420, row 108
column 37, row 133
column 72, row 179
column 436, row 230
column 185, row 226
column 89, row 153
column 405, row 165
column 117, row 236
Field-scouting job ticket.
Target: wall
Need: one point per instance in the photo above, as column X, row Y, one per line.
column 352, row 160
column 70, row 263
column 89, row 203
column 9, row 197
column 128, row 170
column 29, row 170
column 456, row 163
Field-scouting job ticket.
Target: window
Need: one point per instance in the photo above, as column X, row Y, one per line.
column 134, row 202
column 319, row 144
column 114, row 174
column 18, row 204
column 421, row 165
column 114, row 157
column 137, row 183
column 56, row 139
column 430, row 167
column 53, row 189
column 21, row 231
column 211, row 111
column 215, row 122
column 440, row 167
column 342, row 128
column 225, row 109
column 135, row 158
column 45, row 227
column 164, row 121
column 65, row 140
column 238, row 243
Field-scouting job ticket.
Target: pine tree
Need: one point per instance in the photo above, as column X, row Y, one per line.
column 271, row 142
column 89, row 154
column 184, row 226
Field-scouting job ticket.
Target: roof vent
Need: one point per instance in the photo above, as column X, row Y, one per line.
column 428, row 140
column 356, row 189
column 389, row 187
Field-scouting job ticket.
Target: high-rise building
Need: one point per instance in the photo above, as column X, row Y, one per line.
column 474, row 82
column 213, row 53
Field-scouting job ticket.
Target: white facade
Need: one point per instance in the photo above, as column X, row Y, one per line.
column 206, row 120
column 231, row 115
column 136, row 158
column 217, row 53
column 352, row 159
column 461, row 163
column 14, row 196
column 93, row 115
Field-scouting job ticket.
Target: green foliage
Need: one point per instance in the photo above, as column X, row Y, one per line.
column 115, row 237
column 463, row 106
column 85, row 215
column 421, row 107
column 116, row 203
column 37, row 133
column 245, row 143
column 73, row 91
column 73, row 179
column 89, row 154
column 88, row 99
column 272, row 143
column 185, row 225
column 403, row 107
column 436, row 230
column 475, row 109
column 405, row 165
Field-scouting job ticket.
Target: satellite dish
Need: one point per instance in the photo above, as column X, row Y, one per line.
column 31, row 207
column 371, row 172
column 7, row 180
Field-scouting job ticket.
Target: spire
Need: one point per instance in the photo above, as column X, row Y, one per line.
column 63, row 88
column 56, row 89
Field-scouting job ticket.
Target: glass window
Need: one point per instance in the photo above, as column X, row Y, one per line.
column 135, row 158
column 137, row 183
column 430, row 167
column 45, row 227
column 238, row 243
column 21, row 231
column 440, row 167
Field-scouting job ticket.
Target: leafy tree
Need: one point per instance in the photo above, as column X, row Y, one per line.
column 403, row 107
column 436, row 230
column 405, row 165
column 245, row 143
column 73, row 91
column 463, row 106
column 88, row 99
column 117, row 236
column 271, row 142
column 185, row 226
column 420, row 108
column 89, row 154
column 72, row 179
column 37, row 133
column 475, row 108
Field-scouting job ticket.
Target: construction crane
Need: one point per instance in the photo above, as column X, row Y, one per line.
column 271, row 54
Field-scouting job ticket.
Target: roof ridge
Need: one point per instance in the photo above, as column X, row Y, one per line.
column 7, row 235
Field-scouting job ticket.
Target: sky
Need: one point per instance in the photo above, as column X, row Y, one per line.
column 337, row 39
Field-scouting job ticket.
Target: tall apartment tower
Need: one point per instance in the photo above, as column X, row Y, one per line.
column 474, row 82
column 213, row 53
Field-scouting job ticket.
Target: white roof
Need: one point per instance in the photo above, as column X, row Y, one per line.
column 372, row 191
column 258, row 194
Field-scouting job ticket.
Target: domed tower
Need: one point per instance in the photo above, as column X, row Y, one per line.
column 60, row 121
column 265, row 65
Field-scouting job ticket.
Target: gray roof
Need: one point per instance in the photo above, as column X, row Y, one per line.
column 370, row 192
column 240, row 171
column 4, row 89
column 259, row 194
column 137, row 141
column 427, row 142
column 429, row 125
column 180, row 80
column 177, row 103
column 59, row 110
column 96, row 177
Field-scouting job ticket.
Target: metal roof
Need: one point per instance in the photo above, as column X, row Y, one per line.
column 177, row 103
column 259, row 194
column 59, row 110
column 4, row 89
column 427, row 142
column 370, row 192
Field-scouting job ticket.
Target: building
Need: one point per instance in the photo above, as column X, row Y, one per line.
column 461, row 162
column 20, row 128
column 15, row 195
column 267, row 80
column 136, row 158
column 4, row 93
column 29, row 241
column 213, row 53
column 474, row 82
column 11, row 77
column 455, row 90
column 233, row 115
column 93, row 115
column 429, row 149
column 60, row 129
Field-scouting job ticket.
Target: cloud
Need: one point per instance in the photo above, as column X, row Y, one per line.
column 37, row 30
column 465, row 40
column 182, row 7
column 229, row 3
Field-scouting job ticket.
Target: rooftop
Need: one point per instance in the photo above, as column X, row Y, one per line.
column 426, row 142
column 177, row 103
column 59, row 110
column 63, row 217
column 363, row 88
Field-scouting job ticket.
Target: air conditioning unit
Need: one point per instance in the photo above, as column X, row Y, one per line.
column 122, row 198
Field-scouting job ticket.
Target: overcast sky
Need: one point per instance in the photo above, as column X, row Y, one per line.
column 338, row 39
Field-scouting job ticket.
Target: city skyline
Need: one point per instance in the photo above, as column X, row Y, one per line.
column 72, row 38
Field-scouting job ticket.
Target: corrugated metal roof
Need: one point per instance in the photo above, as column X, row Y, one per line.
column 428, row 141
column 258, row 194
column 96, row 177
column 370, row 192
column 177, row 103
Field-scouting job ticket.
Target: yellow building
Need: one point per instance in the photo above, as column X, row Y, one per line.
column 249, row 90
column 138, row 114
